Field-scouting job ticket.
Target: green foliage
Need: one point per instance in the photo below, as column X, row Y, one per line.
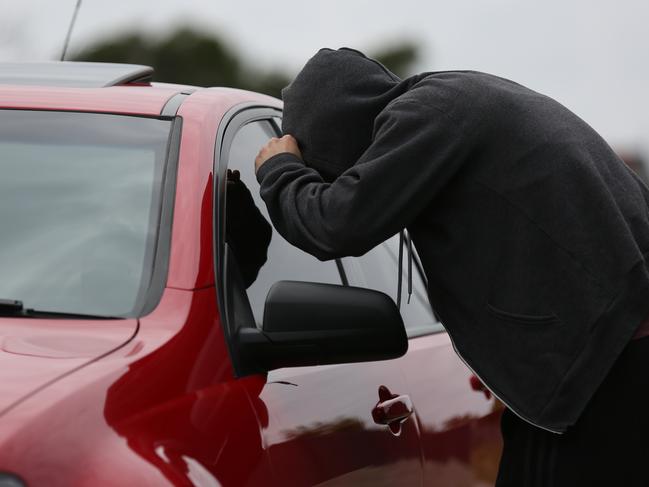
column 186, row 56
column 398, row 58
column 189, row 56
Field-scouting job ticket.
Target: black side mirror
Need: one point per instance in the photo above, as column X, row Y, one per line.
column 308, row 323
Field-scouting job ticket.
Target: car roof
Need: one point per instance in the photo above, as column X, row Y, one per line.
column 73, row 74
column 81, row 86
column 104, row 87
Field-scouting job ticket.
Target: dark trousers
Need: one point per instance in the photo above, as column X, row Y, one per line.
column 608, row 446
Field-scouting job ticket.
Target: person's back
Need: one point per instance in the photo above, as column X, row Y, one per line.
column 532, row 232
column 536, row 244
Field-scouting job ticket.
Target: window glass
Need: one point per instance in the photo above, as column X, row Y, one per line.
column 244, row 225
column 79, row 207
column 378, row 269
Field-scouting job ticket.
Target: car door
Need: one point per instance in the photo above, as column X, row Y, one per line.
column 317, row 423
column 459, row 426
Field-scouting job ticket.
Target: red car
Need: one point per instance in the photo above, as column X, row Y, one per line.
column 145, row 339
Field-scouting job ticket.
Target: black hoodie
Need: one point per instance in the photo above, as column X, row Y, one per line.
column 336, row 110
column 533, row 234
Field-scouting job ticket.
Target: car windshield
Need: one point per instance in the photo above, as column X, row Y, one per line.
column 80, row 197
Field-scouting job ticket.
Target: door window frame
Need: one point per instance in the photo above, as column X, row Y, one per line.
column 233, row 121
column 237, row 117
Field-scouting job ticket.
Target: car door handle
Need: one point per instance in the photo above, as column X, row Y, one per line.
column 392, row 409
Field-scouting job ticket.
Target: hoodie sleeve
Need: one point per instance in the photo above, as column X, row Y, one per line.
column 415, row 150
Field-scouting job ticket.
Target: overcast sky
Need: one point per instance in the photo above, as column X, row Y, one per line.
column 590, row 55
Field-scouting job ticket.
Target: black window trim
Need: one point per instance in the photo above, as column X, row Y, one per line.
column 162, row 246
column 234, row 119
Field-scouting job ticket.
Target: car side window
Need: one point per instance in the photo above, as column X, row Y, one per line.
column 262, row 255
column 378, row 269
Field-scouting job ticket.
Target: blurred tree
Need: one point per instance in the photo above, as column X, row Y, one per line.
column 398, row 58
column 186, row 56
column 189, row 56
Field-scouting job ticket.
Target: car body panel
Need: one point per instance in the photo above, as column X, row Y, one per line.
column 176, row 365
column 155, row 401
column 164, row 407
column 178, row 405
column 127, row 100
column 191, row 264
column 35, row 352
column 460, row 427
column 320, row 429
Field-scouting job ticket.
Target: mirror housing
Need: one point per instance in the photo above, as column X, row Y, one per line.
column 308, row 323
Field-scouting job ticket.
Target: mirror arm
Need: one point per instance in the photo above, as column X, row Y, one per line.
column 262, row 354
column 254, row 347
column 263, row 351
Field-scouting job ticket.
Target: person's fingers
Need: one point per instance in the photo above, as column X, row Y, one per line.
column 275, row 145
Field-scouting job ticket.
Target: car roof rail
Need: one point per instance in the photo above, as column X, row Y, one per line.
column 73, row 74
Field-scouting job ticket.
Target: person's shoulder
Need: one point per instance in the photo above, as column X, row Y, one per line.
column 440, row 90
column 458, row 91
column 464, row 81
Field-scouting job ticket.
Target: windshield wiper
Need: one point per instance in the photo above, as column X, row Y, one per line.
column 14, row 308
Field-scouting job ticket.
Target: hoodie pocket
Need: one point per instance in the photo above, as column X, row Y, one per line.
column 525, row 355
column 523, row 319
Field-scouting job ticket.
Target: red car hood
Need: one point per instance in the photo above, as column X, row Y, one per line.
column 36, row 352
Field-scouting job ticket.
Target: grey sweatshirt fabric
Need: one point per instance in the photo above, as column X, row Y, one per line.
column 533, row 234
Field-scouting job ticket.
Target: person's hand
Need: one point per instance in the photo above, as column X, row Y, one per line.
column 247, row 232
column 277, row 146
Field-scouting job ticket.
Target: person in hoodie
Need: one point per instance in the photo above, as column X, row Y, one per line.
column 533, row 235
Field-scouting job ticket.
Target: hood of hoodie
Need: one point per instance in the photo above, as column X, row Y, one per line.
column 331, row 105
